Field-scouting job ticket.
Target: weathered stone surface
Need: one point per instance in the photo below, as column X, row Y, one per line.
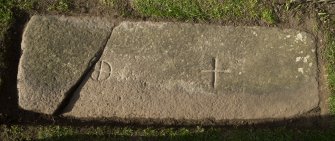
column 56, row 51
column 195, row 72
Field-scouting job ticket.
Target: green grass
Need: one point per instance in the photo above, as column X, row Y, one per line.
column 61, row 6
column 206, row 9
column 330, row 54
column 268, row 16
column 6, row 17
column 6, row 14
column 109, row 3
column 105, row 133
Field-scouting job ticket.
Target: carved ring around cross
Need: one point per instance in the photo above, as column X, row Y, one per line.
column 101, row 73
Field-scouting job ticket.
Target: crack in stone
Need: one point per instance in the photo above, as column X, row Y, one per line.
column 70, row 94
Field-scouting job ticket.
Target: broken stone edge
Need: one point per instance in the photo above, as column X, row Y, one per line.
column 67, row 95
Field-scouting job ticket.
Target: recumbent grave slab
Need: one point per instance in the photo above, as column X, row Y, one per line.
column 194, row 72
column 184, row 71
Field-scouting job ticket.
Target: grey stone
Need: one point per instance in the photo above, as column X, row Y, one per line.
column 56, row 51
column 196, row 72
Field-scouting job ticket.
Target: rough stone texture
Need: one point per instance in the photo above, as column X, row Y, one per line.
column 164, row 70
column 56, row 51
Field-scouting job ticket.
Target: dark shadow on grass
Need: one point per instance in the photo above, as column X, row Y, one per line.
column 211, row 135
column 192, row 137
column 8, row 96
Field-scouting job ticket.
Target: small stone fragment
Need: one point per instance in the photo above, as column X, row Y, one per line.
column 56, row 51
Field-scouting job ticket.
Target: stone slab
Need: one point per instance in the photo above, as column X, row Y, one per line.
column 196, row 72
column 56, row 51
